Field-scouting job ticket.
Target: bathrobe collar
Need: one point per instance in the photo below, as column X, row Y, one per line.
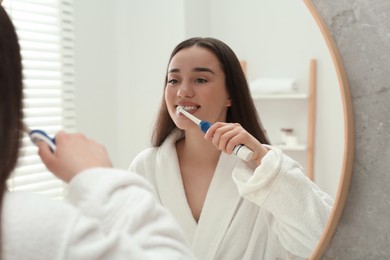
column 222, row 188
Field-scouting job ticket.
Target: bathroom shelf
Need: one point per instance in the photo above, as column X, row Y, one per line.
column 310, row 98
column 298, row 147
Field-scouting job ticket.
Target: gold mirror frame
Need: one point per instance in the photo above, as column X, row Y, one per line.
column 349, row 135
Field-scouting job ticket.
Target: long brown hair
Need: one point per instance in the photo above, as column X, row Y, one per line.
column 10, row 101
column 242, row 110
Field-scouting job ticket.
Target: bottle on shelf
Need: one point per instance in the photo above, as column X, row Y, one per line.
column 287, row 137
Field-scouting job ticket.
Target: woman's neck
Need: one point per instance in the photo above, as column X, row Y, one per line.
column 193, row 145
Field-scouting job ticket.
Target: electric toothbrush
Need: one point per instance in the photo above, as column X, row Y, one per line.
column 40, row 136
column 241, row 150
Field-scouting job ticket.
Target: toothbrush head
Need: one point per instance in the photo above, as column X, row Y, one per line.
column 180, row 109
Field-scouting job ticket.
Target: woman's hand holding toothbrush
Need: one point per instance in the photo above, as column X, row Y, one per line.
column 74, row 154
column 239, row 149
column 227, row 136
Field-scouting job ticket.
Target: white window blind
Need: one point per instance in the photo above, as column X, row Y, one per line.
column 45, row 32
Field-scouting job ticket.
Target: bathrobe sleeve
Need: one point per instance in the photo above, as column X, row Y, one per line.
column 111, row 215
column 299, row 208
column 120, row 219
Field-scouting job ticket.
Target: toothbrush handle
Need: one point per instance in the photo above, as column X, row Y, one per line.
column 240, row 150
column 243, row 152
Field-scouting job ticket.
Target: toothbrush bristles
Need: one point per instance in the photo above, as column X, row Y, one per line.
column 188, row 115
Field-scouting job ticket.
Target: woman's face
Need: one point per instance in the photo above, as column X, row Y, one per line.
column 196, row 81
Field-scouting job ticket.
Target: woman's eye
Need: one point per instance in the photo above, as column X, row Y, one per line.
column 172, row 81
column 201, row 80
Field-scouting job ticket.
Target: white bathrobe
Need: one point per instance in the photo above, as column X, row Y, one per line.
column 271, row 212
column 112, row 215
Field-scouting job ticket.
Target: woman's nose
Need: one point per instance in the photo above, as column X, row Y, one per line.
column 185, row 92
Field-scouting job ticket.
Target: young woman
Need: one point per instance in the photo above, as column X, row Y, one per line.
column 110, row 214
column 230, row 209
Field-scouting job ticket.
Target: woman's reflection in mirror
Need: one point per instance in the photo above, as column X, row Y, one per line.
column 229, row 209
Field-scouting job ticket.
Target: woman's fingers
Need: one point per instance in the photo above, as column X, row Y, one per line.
column 74, row 153
column 225, row 136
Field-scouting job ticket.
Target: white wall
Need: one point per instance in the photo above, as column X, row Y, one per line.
column 96, row 77
column 145, row 39
column 122, row 49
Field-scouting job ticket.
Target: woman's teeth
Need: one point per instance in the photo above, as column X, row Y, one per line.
column 189, row 108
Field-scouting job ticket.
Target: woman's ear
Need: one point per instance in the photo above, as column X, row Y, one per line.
column 228, row 102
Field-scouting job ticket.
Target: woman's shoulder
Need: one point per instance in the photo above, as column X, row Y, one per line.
column 144, row 161
column 153, row 155
column 146, row 154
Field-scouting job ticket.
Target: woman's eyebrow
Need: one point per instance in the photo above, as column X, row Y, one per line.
column 196, row 69
column 174, row 70
column 202, row 69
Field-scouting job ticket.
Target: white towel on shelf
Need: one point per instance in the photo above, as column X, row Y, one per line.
column 272, row 85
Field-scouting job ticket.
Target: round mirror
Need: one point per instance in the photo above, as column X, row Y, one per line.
column 277, row 40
